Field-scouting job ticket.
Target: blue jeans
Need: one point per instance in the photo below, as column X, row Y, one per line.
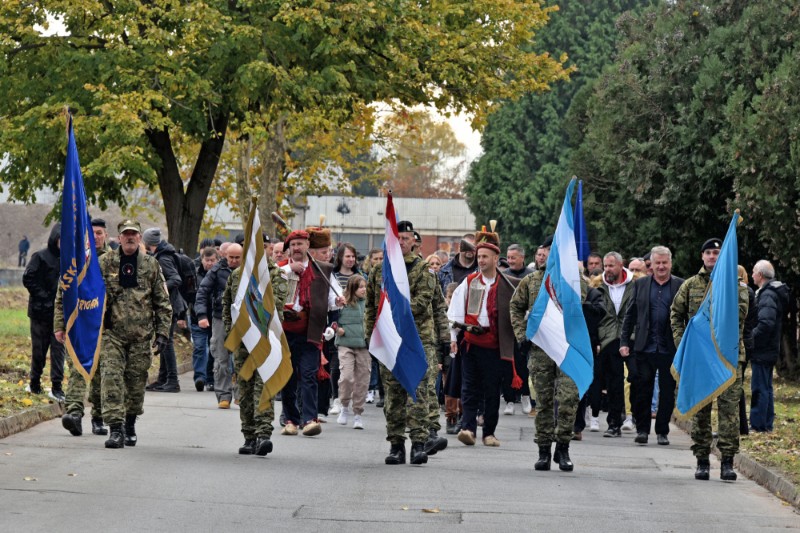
column 201, row 338
column 762, row 406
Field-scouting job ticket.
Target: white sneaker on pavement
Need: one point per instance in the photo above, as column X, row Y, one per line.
column 336, row 408
column 370, row 397
column 526, row 404
column 357, row 423
column 342, row 419
column 628, row 424
column 594, row 424
column 509, row 410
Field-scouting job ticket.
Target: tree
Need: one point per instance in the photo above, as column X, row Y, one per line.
column 142, row 73
column 521, row 176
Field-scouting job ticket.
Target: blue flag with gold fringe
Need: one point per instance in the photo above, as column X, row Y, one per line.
column 81, row 282
column 708, row 355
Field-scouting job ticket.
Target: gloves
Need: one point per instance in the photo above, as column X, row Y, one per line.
column 328, row 334
column 160, row 344
column 444, row 350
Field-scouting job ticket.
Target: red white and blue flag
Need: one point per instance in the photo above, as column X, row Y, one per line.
column 395, row 340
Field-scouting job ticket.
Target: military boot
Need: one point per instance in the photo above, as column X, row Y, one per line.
column 703, row 467
column 248, row 448
column 544, row 458
column 563, row 460
column 130, row 430
column 397, row 455
column 263, row 446
column 435, row 443
column 72, row 422
column 97, row 426
column 117, row 437
column 727, row 473
column 418, row 455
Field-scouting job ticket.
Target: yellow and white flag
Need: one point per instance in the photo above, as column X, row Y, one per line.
column 254, row 320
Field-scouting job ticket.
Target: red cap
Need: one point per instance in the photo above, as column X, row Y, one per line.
column 297, row 234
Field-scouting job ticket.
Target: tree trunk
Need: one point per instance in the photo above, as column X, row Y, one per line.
column 272, row 171
column 243, row 191
column 185, row 209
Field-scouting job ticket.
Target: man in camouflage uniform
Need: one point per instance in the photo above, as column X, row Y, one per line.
column 76, row 386
column 137, row 307
column 398, row 410
column 684, row 307
column 256, row 425
column 550, row 383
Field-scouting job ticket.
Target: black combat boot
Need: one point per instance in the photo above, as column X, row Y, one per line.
column 73, row 422
column 435, row 443
column 727, row 473
column 418, row 455
column 564, row 462
column 544, row 458
column 263, row 446
column 117, row 437
column 97, row 426
column 248, row 448
column 130, row 430
column 397, row 455
column 703, row 467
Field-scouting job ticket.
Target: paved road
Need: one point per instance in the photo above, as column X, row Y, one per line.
column 185, row 475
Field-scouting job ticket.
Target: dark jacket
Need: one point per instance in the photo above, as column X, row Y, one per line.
column 209, row 295
column 453, row 272
column 41, row 278
column 519, row 274
column 637, row 314
column 166, row 255
column 594, row 310
column 771, row 300
column 749, row 322
column 201, row 274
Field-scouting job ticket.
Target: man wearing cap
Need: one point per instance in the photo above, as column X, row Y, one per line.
column 137, row 306
column 76, row 386
column 165, row 253
column 685, row 305
column 480, row 307
column 310, row 296
column 461, row 265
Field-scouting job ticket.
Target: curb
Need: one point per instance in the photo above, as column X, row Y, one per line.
column 771, row 480
column 28, row 418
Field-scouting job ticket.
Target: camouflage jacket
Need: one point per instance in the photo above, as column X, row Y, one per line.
column 136, row 313
column 422, row 284
column 279, row 289
column 440, row 321
column 687, row 302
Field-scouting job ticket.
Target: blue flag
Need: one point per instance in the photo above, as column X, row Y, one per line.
column 81, row 282
column 556, row 323
column 708, row 355
column 581, row 237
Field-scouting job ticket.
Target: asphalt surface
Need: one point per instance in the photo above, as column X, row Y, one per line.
column 185, row 475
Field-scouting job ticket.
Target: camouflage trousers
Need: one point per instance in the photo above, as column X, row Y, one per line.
column 430, row 379
column 76, row 391
column 255, row 423
column 400, row 411
column 123, row 368
column 552, row 384
column 728, row 417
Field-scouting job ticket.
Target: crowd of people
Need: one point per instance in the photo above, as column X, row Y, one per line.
column 470, row 310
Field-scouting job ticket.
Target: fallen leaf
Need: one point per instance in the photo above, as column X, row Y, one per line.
column 404, row 508
column 9, row 453
column 434, row 510
column 29, row 478
column 21, row 383
column 72, row 474
column 27, row 402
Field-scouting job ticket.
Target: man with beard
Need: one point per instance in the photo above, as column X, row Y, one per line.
column 461, row 265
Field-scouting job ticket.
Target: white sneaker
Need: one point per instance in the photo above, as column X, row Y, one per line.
column 594, row 425
column 342, row 417
column 526, row 404
column 322, row 419
column 357, row 423
column 628, row 424
column 509, row 410
column 336, row 408
column 370, row 397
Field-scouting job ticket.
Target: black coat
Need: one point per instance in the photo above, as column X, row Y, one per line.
column 594, row 310
column 166, row 255
column 750, row 322
column 771, row 301
column 209, row 295
column 637, row 315
column 41, row 278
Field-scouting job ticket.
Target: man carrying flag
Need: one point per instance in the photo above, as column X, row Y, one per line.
column 546, row 308
column 399, row 322
column 707, row 318
column 251, row 306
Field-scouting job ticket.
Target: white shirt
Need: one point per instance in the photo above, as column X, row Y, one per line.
column 296, row 304
column 457, row 311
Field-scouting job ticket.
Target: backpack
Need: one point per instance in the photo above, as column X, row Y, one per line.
column 188, row 273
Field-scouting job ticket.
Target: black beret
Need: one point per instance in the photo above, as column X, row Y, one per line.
column 417, row 236
column 265, row 237
column 239, row 239
column 405, row 226
column 548, row 242
column 99, row 222
column 217, row 242
column 711, row 244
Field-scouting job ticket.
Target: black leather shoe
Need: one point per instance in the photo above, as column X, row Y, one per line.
column 397, row 455
column 97, row 426
column 72, row 422
column 248, row 448
column 199, row 385
column 169, row 387
column 564, row 462
column 130, row 430
column 379, row 403
column 641, row 438
column 544, row 458
column 703, row 467
column 154, row 385
column 663, row 440
column 117, row 437
column 263, row 446
column 418, row 455
column 726, row 472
